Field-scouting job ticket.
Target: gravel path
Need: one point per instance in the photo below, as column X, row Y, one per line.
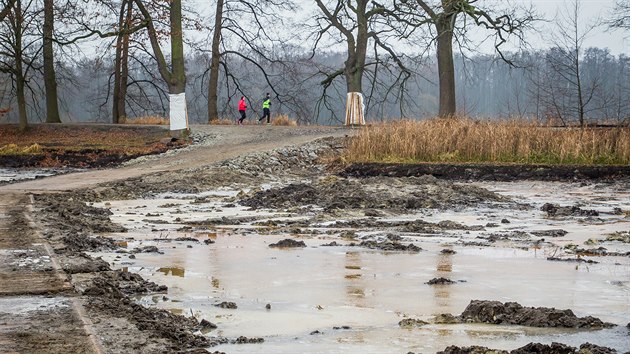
column 213, row 144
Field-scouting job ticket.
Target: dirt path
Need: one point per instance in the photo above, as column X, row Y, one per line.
column 39, row 310
column 227, row 142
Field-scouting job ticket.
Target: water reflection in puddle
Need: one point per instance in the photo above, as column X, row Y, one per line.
column 317, row 288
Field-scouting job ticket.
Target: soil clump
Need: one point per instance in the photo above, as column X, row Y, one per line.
column 495, row 312
column 288, row 243
column 553, row 348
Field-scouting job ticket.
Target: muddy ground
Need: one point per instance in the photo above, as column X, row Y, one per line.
column 355, row 206
column 81, row 145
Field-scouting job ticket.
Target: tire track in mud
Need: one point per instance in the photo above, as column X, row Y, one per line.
column 35, row 295
column 40, row 310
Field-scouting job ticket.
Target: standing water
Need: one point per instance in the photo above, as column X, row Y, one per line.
column 348, row 299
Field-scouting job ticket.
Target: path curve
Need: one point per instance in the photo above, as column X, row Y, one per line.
column 228, row 142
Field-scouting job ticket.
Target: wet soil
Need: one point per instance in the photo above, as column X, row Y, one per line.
column 307, row 201
column 486, row 172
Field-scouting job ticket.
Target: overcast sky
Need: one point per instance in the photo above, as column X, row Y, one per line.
column 618, row 41
column 615, row 40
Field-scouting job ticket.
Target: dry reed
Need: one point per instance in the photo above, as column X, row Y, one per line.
column 146, row 120
column 283, row 119
column 13, row 149
column 468, row 140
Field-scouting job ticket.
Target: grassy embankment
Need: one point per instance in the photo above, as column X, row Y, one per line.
column 83, row 144
column 465, row 140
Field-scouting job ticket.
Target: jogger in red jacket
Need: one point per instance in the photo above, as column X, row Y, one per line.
column 242, row 106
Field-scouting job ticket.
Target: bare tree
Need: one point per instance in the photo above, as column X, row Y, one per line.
column 447, row 21
column 19, row 46
column 254, row 43
column 569, row 94
column 174, row 74
column 621, row 15
column 6, row 9
column 359, row 25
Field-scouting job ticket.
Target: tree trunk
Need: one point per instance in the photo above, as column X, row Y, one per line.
column 355, row 66
column 177, row 82
column 357, row 51
column 50, row 81
column 121, row 72
column 213, row 83
column 19, row 71
column 446, row 67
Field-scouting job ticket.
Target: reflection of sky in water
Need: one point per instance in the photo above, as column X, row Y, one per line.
column 14, row 174
column 317, row 288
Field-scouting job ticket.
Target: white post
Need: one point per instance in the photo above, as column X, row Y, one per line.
column 177, row 111
column 354, row 109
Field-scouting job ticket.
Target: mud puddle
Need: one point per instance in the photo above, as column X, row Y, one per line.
column 339, row 299
column 12, row 175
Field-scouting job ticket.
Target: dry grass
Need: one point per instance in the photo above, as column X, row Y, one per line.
column 468, row 140
column 148, row 120
column 283, row 120
column 223, row 121
column 14, row 149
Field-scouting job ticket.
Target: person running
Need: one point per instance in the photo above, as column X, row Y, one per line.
column 266, row 106
column 242, row 106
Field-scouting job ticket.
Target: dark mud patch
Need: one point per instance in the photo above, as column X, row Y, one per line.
column 441, row 281
column 288, row 243
column 620, row 236
column 550, row 233
column 106, row 296
column 495, row 312
column 412, row 322
column 69, row 213
column 553, row 348
column 593, row 252
column 483, row 172
column 227, row 305
column 82, row 263
column 400, row 194
column 574, row 260
column 414, row 226
column 246, row 340
column 388, row 246
column 557, row 210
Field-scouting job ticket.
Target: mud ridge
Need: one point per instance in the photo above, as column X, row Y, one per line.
column 483, row 172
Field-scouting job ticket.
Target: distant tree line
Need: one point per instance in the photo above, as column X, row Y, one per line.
column 487, row 87
column 138, row 59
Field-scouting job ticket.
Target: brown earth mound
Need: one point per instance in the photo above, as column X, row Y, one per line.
column 495, row 312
